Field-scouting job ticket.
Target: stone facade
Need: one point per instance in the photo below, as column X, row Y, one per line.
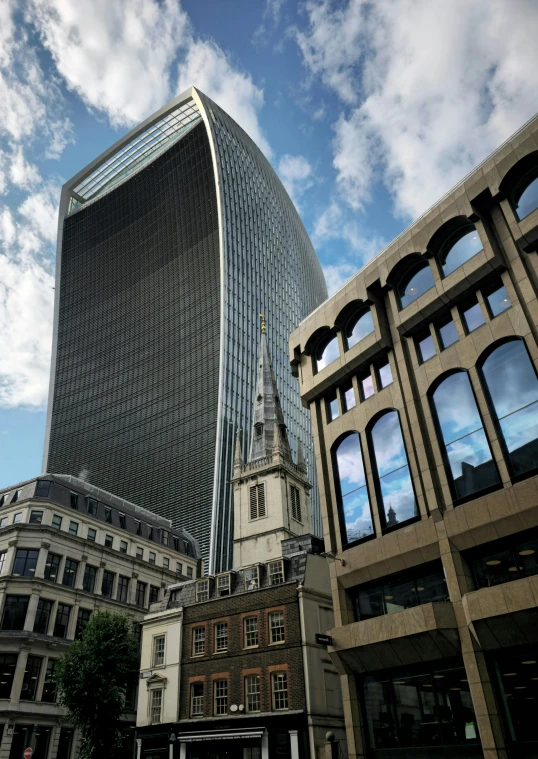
column 448, row 342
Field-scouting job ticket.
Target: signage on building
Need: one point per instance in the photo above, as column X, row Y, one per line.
column 146, row 673
column 28, row 753
column 324, row 640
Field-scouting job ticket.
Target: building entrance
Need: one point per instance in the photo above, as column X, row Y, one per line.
column 234, row 749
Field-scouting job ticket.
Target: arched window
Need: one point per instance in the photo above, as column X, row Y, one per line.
column 416, row 280
column 359, row 327
column 468, row 460
column 395, row 487
column 326, row 353
column 512, row 387
column 525, row 195
column 461, row 245
column 355, row 513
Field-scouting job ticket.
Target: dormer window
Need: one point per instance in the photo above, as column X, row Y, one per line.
column 16, row 496
column 276, row 572
column 252, row 578
column 138, row 527
column 164, row 537
column 92, row 507
column 224, row 584
column 202, row 590
column 43, row 488
column 122, row 520
column 108, row 515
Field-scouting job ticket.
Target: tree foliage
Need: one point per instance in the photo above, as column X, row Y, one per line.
column 93, row 677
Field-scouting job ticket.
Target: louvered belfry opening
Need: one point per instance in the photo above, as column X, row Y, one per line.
column 257, row 501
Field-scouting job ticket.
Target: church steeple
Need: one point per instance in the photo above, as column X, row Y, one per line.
column 269, row 430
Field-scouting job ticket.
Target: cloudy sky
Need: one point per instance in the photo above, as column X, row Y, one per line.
column 369, row 112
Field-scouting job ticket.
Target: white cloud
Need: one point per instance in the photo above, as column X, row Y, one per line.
column 22, row 173
column 271, row 15
column 429, row 88
column 336, row 275
column 295, row 173
column 207, row 67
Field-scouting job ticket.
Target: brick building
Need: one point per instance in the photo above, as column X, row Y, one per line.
column 420, row 374
column 231, row 666
column 67, row 549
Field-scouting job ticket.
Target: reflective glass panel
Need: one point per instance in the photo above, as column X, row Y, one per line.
column 395, row 485
column 517, row 676
column 385, row 375
column 8, row 664
column 415, row 710
column 498, row 301
column 414, row 283
column 473, row 317
column 332, row 408
column 400, row 592
column 380, row 718
column 355, row 504
column 328, row 354
column 360, row 329
column 516, row 560
column 426, row 348
column 513, row 388
column 367, row 387
column 469, row 456
column 448, row 334
column 461, row 251
column 528, row 202
column 348, row 395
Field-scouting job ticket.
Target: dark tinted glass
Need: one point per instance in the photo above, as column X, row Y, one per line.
column 426, row 348
column 88, row 583
column 528, row 201
column 70, row 573
column 457, row 253
column 395, row 487
column 42, row 617
column 42, row 488
column 107, row 584
column 473, row 317
column 448, row 334
column 49, row 686
column 517, row 559
column 511, row 381
column 52, row 567
column 8, row 664
column 153, row 594
column 401, row 592
column 470, row 463
column 517, row 677
column 62, row 621
column 498, row 301
column 15, row 610
column 140, row 594
column 123, row 589
column 83, row 617
column 36, row 517
column 31, row 677
column 327, row 354
column 25, row 563
column 355, row 511
column 359, row 329
column 414, row 283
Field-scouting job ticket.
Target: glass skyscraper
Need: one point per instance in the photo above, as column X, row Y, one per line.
column 170, row 245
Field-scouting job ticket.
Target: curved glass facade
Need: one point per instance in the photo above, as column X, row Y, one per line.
column 162, row 279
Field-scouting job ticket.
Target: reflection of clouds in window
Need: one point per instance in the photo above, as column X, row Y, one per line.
column 394, row 479
column 362, row 327
column 355, row 501
column 510, row 378
column 464, row 249
column 456, row 419
column 329, row 354
column 419, row 280
column 528, row 202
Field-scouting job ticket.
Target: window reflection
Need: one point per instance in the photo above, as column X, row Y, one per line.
column 355, row 514
column 506, row 562
column 528, row 200
column 348, row 396
column 473, row 317
column 513, row 388
column 366, row 386
column 415, row 282
column 359, row 328
column 421, row 706
column 426, row 348
column 395, row 486
column 385, row 375
column 332, row 408
column 498, row 301
column 327, row 353
column 396, row 593
column 460, row 246
column 448, row 334
column 470, row 464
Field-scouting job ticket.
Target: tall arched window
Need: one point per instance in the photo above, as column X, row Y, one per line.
column 525, row 195
column 359, row 327
column 416, row 280
column 468, row 460
column 395, row 487
column 326, row 353
column 512, row 387
column 355, row 513
column 459, row 247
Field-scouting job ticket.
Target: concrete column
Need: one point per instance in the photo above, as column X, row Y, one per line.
column 52, row 620
column 5, row 746
column 19, row 675
column 42, row 560
column 81, row 570
column 10, row 558
column 99, row 579
column 131, row 597
column 73, row 621
column 183, row 752
column 265, row 745
column 294, row 744
column 138, row 748
column 30, row 614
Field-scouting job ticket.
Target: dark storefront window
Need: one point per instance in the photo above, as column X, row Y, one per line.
column 31, row 678
column 62, row 621
column 49, row 686
column 42, row 617
column 65, row 743
column 25, row 563
column 36, row 737
column 15, row 612
column 506, row 560
column 8, row 664
column 395, row 593
column 517, row 676
column 419, row 707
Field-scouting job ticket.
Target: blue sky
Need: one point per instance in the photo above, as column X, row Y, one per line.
column 368, row 111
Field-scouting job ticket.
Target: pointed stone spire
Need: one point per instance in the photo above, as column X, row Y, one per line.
column 301, row 463
column 269, row 430
column 238, row 458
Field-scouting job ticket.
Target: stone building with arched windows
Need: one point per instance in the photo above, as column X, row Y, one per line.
column 421, row 377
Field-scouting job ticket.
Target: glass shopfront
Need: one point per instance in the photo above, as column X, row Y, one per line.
column 516, row 674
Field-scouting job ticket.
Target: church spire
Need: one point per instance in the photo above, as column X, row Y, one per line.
column 269, row 431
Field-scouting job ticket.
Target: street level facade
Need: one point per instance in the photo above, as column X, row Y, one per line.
column 232, row 665
column 68, row 549
column 169, row 246
column 421, row 378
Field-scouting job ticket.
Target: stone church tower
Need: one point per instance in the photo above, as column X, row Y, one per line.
column 271, row 492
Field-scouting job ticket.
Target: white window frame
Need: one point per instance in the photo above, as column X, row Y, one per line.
column 157, row 652
column 197, row 702
column 224, row 582
column 156, row 695
column 250, row 691
column 254, row 582
column 198, row 641
column 278, row 679
column 252, row 632
column 221, row 637
column 202, row 590
column 220, row 697
column 276, row 569
column 277, row 632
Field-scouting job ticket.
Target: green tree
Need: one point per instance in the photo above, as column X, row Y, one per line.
column 93, row 677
